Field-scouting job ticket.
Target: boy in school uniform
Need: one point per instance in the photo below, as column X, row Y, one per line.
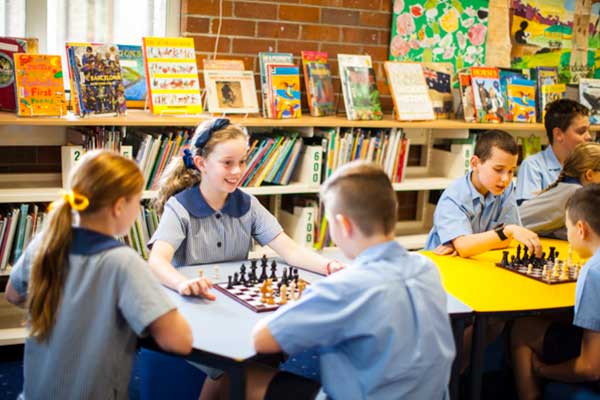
column 478, row 212
column 567, row 124
column 548, row 350
column 380, row 326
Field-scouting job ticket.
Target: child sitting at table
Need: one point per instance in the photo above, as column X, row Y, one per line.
column 380, row 326
column 543, row 349
column 478, row 212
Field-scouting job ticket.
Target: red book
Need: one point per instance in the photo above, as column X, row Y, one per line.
column 8, row 47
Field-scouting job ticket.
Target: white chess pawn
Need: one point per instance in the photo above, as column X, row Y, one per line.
column 200, row 273
column 292, row 291
column 529, row 269
column 217, row 272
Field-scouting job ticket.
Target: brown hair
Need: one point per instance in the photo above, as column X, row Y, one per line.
column 102, row 177
column 178, row 177
column 560, row 114
column 583, row 206
column 487, row 140
column 362, row 191
column 585, row 156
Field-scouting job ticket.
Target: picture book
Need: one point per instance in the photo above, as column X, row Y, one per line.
column 96, row 79
column 318, row 83
column 507, row 74
column 265, row 58
column 39, row 85
column 589, row 96
column 438, row 77
column 133, row 73
column 466, row 96
column 410, row 92
column 521, row 100
column 543, row 76
column 552, row 93
column 172, row 75
column 359, row 87
column 8, row 47
column 284, row 93
column 230, row 91
column 487, row 95
column 221, row 65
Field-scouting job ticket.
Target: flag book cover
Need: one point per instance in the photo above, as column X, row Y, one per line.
column 172, row 75
column 265, row 58
column 133, row 73
column 284, row 93
column 438, row 77
column 410, row 91
column 8, row 47
column 231, row 91
column 39, row 85
column 318, row 82
column 487, row 94
column 96, row 74
column 521, row 100
column 359, row 87
column 589, row 96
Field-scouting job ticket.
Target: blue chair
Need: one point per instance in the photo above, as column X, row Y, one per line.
column 163, row 376
column 568, row 391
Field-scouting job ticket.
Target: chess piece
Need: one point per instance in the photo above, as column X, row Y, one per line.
column 263, row 291
column 301, row 287
column 504, row 261
column 273, row 271
column 200, row 273
column 235, row 279
column 296, row 275
column 564, row 275
column 518, row 258
column 217, row 273
column 283, row 295
column 525, row 258
column 545, row 269
column 243, row 275
column 253, row 277
column 529, row 268
column 229, row 283
column 264, row 261
column 263, row 274
column 576, row 270
column 556, row 270
column 292, row 293
column 570, row 256
column 552, row 256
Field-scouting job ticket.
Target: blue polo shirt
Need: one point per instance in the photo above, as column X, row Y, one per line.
column 380, row 327
column 536, row 173
column 587, row 301
column 462, row 210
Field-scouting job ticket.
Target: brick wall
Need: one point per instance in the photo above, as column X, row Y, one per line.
column 334, row 26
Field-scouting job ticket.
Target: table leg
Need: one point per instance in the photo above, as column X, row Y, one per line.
column 237, row 381
column 477, row 355
column 458, row 330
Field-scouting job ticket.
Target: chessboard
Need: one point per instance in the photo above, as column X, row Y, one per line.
column 547, row 269
column 265, row 291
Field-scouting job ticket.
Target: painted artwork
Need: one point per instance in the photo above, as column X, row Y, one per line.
column 556, row 33
column 440, row 31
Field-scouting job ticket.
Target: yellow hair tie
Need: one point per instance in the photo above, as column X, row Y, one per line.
column 78, row 202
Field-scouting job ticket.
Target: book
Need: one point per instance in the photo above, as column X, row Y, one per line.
column 230, row 91
column 318, row 83
column 97, row 87
column 552, row 93
column 543, row 76
column 284, row 91
column 589, row 96
column 8, row 47
column 466, row 96
column 359, row 87
column 133, row 73
column 438, row 77
column 39, row 84
column 410, row 92
column 521, row 100
column 172, row 75
column 265, row 58
column 506, row 74
column 20, row 232
column 300, row 224
column 309, row 169
column 487, row 94
column 221, row 65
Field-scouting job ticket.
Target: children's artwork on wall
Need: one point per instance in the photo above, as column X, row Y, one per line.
column 440, row 31
column 556, row 33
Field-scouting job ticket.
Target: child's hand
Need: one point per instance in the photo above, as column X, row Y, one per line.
column 334, row 266
column 196, row 287
column 445, row 250
column 536, row 365
column 529, row 238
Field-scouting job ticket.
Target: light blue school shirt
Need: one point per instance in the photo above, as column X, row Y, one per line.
column 462, row 210
column 587, row 301
column 536, row 173
column 380, row 327
column 202, row 235
column 109, row 298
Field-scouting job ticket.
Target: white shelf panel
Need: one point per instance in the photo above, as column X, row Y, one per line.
column 28, row 195
column 260, row 190
column 422, row 183
column 10, row 336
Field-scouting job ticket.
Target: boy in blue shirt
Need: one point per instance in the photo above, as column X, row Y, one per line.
column 544, row 349
column 380, row 326
column 478, row 212
column 567, row 124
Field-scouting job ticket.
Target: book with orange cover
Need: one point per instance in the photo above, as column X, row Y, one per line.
column 318, row 83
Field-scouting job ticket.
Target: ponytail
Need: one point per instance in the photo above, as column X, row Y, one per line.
column 176, row 178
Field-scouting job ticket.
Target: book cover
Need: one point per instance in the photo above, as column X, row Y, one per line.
column 410, row 92
column 466, row 96
column 172, row 75
column 438, row 77
column 506, row 74
column 230, row 91
column 552, row 93
column 133, row 73
column 487, row 95
column 221, row 65
column 96, row 71
column 318, row 83
column 284, row 97
column 39, row 85
column 8, row 47
column 543, row 76
column 265, row 58
column 589, row 96
column 359, row 87
column 521, row 100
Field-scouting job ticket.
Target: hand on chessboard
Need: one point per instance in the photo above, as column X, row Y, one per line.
column 445, row 250
column 526, row 237
column 196, row 287
column 334, row 266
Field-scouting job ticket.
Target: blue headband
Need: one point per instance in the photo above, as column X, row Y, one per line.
column 203, row 137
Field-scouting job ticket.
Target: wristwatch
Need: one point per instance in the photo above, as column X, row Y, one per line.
column 500, row 232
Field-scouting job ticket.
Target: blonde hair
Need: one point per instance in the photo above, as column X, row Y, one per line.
column 101, row 177
column 178, row 176
column 362, row 191
column 585, row 156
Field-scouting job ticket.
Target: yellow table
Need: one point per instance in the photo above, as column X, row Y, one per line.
column 490, row 290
